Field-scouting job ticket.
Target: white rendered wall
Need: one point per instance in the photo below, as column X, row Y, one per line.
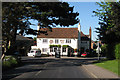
column 41, row 45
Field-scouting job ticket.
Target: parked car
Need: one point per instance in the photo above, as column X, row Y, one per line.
column 84, row 54
column 34, row 53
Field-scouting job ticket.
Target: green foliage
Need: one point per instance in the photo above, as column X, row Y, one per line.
column 35, row 39
column 109, row 31
column 111, row 65
column 117, row 51
column 104, row 49
column 10, row 62
column 16, row 18
column 55, row 46
column 65, row 46
column 110, row 51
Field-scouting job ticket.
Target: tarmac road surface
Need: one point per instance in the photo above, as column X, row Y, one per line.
column 49, row 68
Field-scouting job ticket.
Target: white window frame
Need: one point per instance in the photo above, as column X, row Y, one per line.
column 63, row 49
column 56, row 41
column 68, row 40
column 52, row 49
column 45, row 40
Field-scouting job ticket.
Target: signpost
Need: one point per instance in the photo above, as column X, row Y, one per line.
column 98, row 50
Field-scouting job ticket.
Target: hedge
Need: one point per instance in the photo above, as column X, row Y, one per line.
column 117, row 51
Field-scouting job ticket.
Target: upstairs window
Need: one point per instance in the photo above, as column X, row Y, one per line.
column 45, row 40
column 68, row 40
column 56, row 41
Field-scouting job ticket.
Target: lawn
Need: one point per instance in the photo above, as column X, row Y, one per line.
column 111, row 65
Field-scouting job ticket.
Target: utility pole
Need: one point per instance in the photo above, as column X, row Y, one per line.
column 98, row 51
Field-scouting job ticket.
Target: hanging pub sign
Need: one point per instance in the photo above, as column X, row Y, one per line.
column 62, row 41
column 51, row 41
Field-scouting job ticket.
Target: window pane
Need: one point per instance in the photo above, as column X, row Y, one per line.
column 68, row 40
column 56, row 41
column 31, row 51
column 45, row 40
column 64, row 49
column 51, row 49
column 55, row 49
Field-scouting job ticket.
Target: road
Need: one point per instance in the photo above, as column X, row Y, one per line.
column 49, row 68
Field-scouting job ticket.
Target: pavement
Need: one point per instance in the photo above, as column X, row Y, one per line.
column 99, row 72
column 64, row 67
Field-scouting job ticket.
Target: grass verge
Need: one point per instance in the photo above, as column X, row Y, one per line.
column 111, row 65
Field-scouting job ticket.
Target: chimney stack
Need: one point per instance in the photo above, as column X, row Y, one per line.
column 38, row 27
column 90, row 36
column 79, row 27
column 90, row 33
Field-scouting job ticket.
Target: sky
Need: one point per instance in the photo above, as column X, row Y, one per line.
column 85, row 10
column 86, row 16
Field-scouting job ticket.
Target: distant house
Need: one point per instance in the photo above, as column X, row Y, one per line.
column 63, row 39
column 93, row 44
column 23, row 44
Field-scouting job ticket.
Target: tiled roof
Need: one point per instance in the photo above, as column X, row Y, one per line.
column 20, row 37
column 60, row 33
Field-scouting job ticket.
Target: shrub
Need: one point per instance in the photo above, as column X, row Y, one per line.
column 110, row 51
column 104, row 49
column 65, row 46
column 117, row 51
column 10, row 62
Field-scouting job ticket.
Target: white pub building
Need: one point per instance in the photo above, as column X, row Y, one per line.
column 66, row 40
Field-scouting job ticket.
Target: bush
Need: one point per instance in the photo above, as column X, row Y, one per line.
column 104, row 50
column 110, row 51
column 10, row 62
column 117, row 51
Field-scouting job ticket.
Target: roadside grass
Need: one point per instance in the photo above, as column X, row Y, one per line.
column 111, row 65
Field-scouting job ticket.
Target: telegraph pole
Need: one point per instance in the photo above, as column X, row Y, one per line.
column 98, row 51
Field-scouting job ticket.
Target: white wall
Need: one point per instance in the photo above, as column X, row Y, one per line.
column 73, row 44
column 41, row 45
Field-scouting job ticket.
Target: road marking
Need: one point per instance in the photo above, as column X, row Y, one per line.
column 90, row 72
column 41, row 71
column 38, row 73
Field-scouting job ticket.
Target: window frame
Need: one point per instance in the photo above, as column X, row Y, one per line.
column 56, row 41
column 68, row 40
column 63, row 49
column 51, row 50
column 45, row 40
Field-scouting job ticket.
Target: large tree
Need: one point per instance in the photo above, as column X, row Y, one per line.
column 109, row 31
column 16, row 16
column 108, row 21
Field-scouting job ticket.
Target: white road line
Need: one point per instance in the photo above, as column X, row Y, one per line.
column 90, row 72
column 38, row 73
column 41, row 71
